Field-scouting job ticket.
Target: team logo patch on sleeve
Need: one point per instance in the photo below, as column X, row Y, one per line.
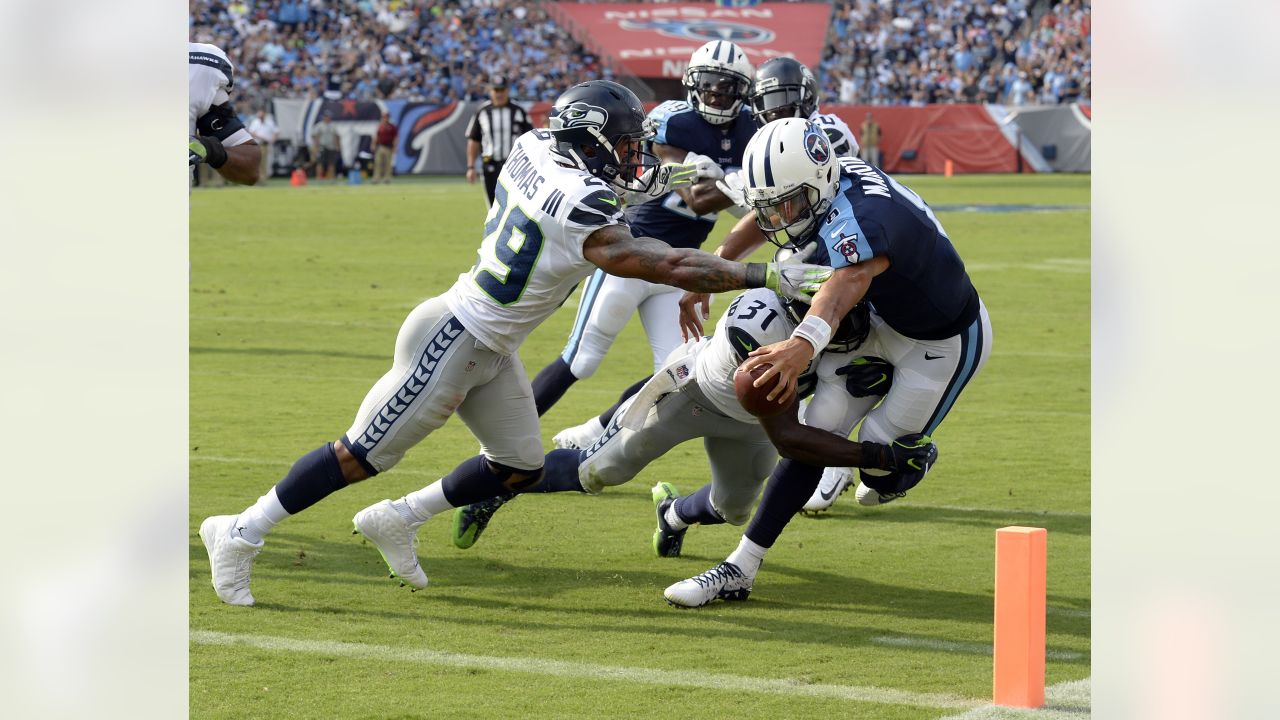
column 848, row 247
column 816, row 144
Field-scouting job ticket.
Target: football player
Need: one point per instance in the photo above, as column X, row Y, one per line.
column 556, row 216
column 710, row 129
column 217, row 137
column 928, row 322
column 693, row 396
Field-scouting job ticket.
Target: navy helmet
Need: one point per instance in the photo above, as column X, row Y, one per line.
column 590, row 120
column 783, row 88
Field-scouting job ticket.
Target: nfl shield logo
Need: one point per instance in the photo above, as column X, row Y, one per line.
column 726, row 144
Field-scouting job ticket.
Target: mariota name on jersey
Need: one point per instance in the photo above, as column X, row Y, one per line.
column 872, row 183
column 525, row 176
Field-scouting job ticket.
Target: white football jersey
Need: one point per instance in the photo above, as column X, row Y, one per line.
column 754, row 318
column 210, row 78
column 843, row 143
column 531, row 259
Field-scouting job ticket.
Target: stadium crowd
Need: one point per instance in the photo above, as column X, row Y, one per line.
column 365, row 49
column 917, row 52
column 880, row 52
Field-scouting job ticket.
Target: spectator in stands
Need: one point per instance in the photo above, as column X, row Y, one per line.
column 869, row 141
column 327, row 147
column 384, row 151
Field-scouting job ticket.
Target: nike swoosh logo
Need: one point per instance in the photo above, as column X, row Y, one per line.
column 611, row 202
column 927, row 356
column 744, row 344
column 829, row 495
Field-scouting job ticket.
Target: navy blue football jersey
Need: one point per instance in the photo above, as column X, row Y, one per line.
column 670, row 219
column 926, row 293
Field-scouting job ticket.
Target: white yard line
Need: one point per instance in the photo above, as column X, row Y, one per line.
column 589, row 671
column 1065, row 701
column 968, row 648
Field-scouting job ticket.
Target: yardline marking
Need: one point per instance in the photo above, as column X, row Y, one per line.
column 1070, row 700
column 954, row 646
column 580, row 670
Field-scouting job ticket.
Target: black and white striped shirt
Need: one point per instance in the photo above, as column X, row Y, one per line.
column 496, row 128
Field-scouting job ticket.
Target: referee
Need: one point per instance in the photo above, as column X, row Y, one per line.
column 492, row 131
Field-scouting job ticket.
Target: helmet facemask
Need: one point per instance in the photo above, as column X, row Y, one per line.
column 778, row 102
column 790, row 220
column 716, row 93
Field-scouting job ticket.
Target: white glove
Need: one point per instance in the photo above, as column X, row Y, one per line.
column 734, row 188
column 666, row 177
column 797, row 281
column 707, row 168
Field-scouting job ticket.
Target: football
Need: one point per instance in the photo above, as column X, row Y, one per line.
column 754, row 399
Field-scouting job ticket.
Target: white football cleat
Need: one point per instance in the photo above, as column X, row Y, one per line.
column 867, row 496
column 835, row 482
column 395, row 539
column 579, row 437
column 725, row 580
column 230, row 559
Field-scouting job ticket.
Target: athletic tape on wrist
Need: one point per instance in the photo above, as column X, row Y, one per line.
column 815, row 330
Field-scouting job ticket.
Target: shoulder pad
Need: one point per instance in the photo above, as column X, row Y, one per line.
column 741, row 342
column 664, row 114
column 598, row 207
column 213, row 60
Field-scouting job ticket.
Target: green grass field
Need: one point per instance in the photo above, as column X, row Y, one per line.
column 296, row 296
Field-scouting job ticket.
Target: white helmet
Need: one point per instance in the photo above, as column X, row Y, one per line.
column 791, row 177
column 718, row 73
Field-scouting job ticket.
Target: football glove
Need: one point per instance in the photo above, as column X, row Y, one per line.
column 707, row 168
column 867, row 376
column 734, row 188
column 795, row 280
column 206, row 150
column 666, row 177
column 913, row 454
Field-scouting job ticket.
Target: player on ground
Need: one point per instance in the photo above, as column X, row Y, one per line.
column 217, row 137
column 927, row 321
column 556, row 215
column 693, row 396
column 710, row 129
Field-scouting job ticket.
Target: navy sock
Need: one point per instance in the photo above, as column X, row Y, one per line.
column 560, row 473
column 696, row 508
column 790, row 486
column 551, row 384
column 311, row 479
column 607, row 415
column 471, row 482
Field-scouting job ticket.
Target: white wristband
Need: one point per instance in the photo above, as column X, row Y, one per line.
column 815, row 330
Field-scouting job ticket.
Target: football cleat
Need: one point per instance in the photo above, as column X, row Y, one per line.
column 869, row 496
column 835, row 482
column 230, row 559
column 471, row 520
column 395, row 539
column 667, row 541
column 725, row 581
column 579, row 437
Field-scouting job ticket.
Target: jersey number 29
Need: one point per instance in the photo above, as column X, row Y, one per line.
column 512, row 243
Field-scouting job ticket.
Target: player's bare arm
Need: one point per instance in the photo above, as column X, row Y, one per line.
column 702, row 197
column 615, row 250
column 242, row 163
column 789, row 358
column 813, row 446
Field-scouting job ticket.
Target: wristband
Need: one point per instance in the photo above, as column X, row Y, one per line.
column 757, row 274
column 815, row 330
column 217, row 154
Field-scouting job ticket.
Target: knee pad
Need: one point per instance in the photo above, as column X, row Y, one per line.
column 733, row 518
column 514, row 479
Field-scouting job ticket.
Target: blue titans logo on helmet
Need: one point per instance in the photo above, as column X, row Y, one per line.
column 703, row 30
column 816, row 144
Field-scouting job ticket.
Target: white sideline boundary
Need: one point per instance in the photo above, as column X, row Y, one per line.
column 577, row 670
column 1065, row 701
column 968, row 648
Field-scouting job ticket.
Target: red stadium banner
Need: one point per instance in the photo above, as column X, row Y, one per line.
column 655, row 41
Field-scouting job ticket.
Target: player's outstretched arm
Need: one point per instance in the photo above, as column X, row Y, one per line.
column 243, row 162
column 821, row 448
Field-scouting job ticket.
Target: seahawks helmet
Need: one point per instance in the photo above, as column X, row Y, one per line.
column 589, row 120
column 718, row 81
column 784, row 88
column 791, row 177
column 848, row 335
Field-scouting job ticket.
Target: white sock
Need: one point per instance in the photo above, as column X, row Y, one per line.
column 673, row 519
column 258, row 519
column 748, row 556
column 424, row 503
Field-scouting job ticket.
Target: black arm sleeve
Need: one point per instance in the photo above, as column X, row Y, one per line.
column 220, row 122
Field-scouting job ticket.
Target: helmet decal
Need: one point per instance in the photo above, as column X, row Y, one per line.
column 817, row 145
column 581, row 114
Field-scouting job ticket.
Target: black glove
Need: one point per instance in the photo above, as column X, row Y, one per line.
column 207, row 150
column 867, row 376
column 913, row 454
